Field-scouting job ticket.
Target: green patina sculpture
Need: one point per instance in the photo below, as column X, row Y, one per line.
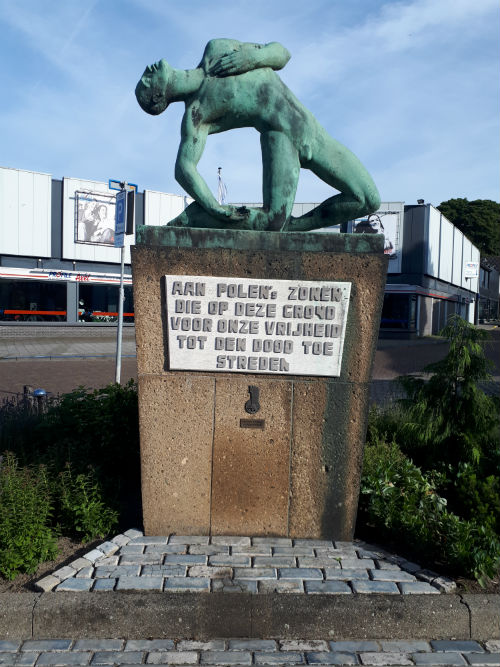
column 235, row 85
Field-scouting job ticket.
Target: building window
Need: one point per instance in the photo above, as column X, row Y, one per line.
column 398, row 311
column 99, row 303
column 32, row 301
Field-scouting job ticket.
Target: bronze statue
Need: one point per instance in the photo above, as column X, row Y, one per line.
column 235, row 85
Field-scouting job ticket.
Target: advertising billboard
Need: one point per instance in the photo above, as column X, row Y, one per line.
column 387, row 221
column 94, row 218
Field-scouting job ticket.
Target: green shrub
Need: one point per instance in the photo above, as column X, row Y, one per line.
column 82, row 510
column 404, row 504
column 26, row 538
column 448, row 418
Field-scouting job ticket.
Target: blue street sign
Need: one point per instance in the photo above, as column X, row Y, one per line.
column 113, row 184
column 120, row 218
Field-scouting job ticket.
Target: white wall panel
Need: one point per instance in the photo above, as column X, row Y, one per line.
column 474, row 282
column 458, row 240
column 25, row 213
column 446, row 251
column 433, row 228
column 467, row 257
column 82, row 251
column 160, row 207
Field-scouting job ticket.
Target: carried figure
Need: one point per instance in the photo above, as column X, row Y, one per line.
column 235, row 85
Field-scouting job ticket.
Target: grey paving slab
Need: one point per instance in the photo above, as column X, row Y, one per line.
column 226, row 658
column 280, row 658
column 299, row 573
column 483, row 658
column 327, row 587
column 331, row 658
column 438, row 659
column 73, row 658
column 149, row 645
column 463, row 646
column 46, row 645
column 385, row 659
column 367, row 587
column 172, row 658
column 151, row 583
column 354, row 646
column 98, row 645
column 117, row 658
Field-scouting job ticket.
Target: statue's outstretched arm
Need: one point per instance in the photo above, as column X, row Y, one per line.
column 190, row 151
column 248, row 56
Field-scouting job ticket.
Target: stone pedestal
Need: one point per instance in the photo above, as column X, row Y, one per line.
column 298, row 474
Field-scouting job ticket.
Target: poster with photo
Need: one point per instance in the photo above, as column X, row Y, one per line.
column 387, row 223
column 94, row 218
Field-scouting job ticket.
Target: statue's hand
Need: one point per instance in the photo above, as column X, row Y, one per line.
column 236, row 62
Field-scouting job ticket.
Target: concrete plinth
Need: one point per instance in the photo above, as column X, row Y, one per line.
column 298, row 475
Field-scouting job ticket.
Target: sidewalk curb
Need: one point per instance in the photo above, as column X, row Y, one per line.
column 203, row 616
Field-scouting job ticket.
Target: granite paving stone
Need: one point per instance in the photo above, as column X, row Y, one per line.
column 73, row 658
column 151, row 583
column 132, row 549
column 166, row 549
column 230, row 561
column 385, row 659
column 253, row 645
column 108, row 548
column 46, row 645
column 281, row 586
column 105, row 571
column 463, row 646
column 483, row 658
column 9, row 645
column 274, row 561
column 303, row 645
column 272, row 541
column 142, row 559
column 405, row 646
column 293, row 551
column 75, row 585
column 354, row 646
column 289, row 658
column 93, row 555
column 345, row 575
column 438, row 659
column 254, row 550
column 317, row 561
column 493, row 645
column 117, row 658
column 227, row 540
column 132, row 533
column 327, row 587
column 196, row 645
column 209, row 550
column 152, row 539
column 172, row 658
column 64, row 572
column 391, row 575
column 104, row 584
column 366, row 587
column 210, row 572
column 300, row 573
column 255, row 573
column 85, row 573
column 188, row 539
column 164, row 570
column 331, row 658
column 239, row 586
column 417, row 588
column 188, row 559
column 179, row 584
column 226, row 658
column 98, row 645
column 149, row 645
column 357, row 563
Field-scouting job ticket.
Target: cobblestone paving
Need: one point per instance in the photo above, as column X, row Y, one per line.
column 177, row 563
column 247, row 652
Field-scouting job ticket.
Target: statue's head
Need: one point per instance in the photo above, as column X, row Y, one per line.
column 152, row 90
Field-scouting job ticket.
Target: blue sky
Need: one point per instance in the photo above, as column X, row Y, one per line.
column 411, row 87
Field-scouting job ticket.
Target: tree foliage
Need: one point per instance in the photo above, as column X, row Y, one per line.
column 479, row 220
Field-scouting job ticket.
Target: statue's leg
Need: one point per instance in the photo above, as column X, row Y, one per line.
column 339, row 167
column 280, row 175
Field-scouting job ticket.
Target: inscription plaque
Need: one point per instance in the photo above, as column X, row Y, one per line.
column 256, row 325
